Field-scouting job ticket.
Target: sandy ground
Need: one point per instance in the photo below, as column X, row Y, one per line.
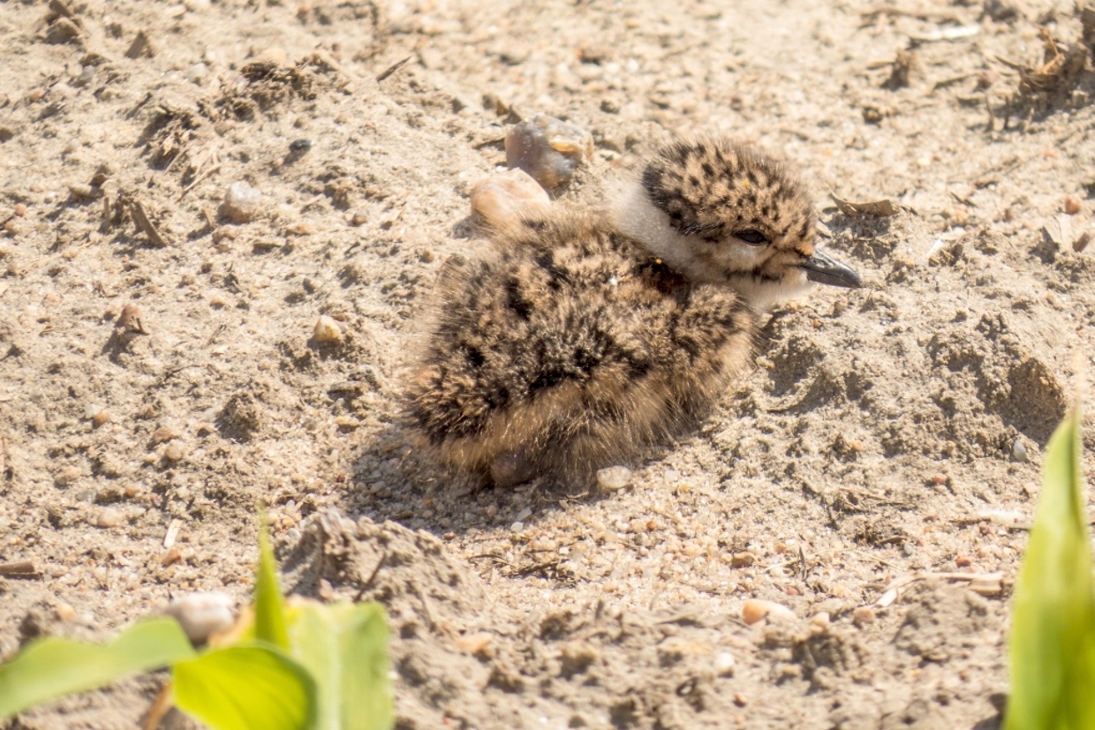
column 888, row 434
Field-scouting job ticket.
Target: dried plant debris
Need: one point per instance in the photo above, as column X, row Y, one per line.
column 1060, row 66
column 117, row 209
column 882, row 208
column 905, row 67
column 261, row 86
column 144, row 223
column 61, row 24
column 170, row 133
column 141, row 47
column 179, row 134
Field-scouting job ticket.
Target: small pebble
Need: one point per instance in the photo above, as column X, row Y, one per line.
column 67, row 476
column 1081, row 241
column 202, row 614
column 327, row 330
column 109, row 517
column 509, row 197
column 175, row 452
column 86, row 76
column 196, row 74
column 224, row 234
column 474, row 643
column 20, row 209
column 548, row 149
column 756, row 609
column 1018, row 450
column 724, row 664
column 1072, row 206
column 81, row 191
column 242, row 203
column 613, row 478
column 130, row 319
column 64, row 612
column 165, row 434
column 101, row 418
column 742, row 560
column 863, row 616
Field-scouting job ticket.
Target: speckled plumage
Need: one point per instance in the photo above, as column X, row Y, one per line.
column 581, row 338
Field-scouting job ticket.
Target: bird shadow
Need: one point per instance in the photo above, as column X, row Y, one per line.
column 396, row 477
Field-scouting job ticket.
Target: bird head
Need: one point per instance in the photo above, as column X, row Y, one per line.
column 723, row 213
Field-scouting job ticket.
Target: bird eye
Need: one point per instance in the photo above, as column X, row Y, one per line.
column 753, row 237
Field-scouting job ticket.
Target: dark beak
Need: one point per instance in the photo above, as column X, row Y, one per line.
column 824, row 269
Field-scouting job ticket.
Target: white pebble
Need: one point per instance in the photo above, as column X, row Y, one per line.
column 202, row 614
column 1018, row 449
column 241, row 203
column 196, row 74
column 756, row 609
column 327, row 330
column 724, row 664
column 507, row 198
column 613, row 478
column 109, row 517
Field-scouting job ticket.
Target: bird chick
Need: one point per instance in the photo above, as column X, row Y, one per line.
column 582, row 338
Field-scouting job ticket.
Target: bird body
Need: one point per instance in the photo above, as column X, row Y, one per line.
column 580, row 338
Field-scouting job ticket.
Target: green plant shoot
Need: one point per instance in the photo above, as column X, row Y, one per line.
column 269, row 605
column 246, row 687
column 345, row 647
column 1053, row 631
column 52, row 667
column 313, row 666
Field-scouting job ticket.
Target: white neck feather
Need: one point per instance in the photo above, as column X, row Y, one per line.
column 636, row 216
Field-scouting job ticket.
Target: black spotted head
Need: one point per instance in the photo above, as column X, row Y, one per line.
column 721, row 212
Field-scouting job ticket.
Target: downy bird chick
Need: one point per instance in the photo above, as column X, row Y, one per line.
column 580, row 339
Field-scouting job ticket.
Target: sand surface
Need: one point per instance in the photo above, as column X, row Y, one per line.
column 892, row 433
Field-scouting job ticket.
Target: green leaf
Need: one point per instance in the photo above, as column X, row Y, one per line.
column 246, row 687
column 269, row 605
column 1053, row 631
column 345, row 647
column 52, row 667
